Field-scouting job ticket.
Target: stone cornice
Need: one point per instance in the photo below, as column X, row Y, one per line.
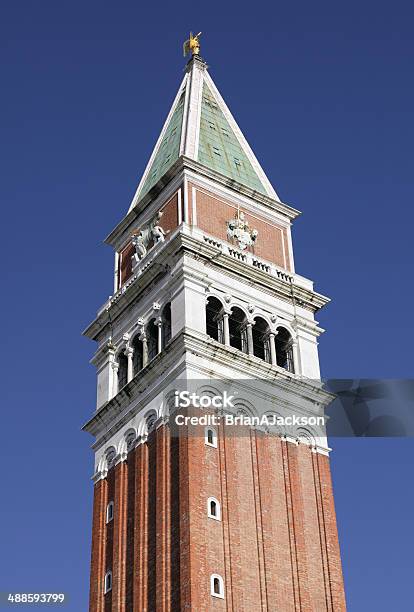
column 166, row 366
column 156, row 264
column 284, row 209
column 179, row 356
column 182, row 241
column 281, row 286
column 251, row 367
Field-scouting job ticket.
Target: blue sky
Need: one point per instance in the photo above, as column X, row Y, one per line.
column 324, row 94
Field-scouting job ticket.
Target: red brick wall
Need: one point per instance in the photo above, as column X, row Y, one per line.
column 141, row 528
column 214, row 212
column 109, row 540
column 125, row 263
column 98, row 565
column 169, row 220
column 119, row 538
column 276, row 546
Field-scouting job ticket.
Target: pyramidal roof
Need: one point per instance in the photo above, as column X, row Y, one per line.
column 201, row 127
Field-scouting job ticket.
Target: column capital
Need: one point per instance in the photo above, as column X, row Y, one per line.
column 121, row 457
column 225, row 311
column 109, row 348
column 99, row 475
column 248, row 324
column 129, row 351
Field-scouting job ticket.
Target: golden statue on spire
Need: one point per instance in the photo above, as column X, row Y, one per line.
column 192, row 44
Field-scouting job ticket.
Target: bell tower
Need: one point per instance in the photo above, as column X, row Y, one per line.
column 233, row 515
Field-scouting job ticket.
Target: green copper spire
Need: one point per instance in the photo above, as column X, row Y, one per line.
column 168, row 150
column 219, row 148
column 200, row 127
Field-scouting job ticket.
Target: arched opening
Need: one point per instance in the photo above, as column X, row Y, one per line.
column 237, row 329
column 108, row 582
column 152, row 339
column 137, row 359
column 217, row 585
column 260, row 332
column 213, row 509
column 214, row 325
column 150, row 421
column 166, row 325
column 210, row 437
column 130, row 439
column 122, row 370
column 110, row 457
column 284, row 349
column 110, row 512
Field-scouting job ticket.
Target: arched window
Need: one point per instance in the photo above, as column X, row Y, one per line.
column 166, row 325
column 152, row 339
column 214, row 322
column 217, row 586
column 213, row 509
column 210, row 437
column 284, row 350
column 110, row 512
column 260, row 332
column 108, row 582
column 110, row 457
column 137, row 356
column 237, row 329
column 122, row 370
column 130, row 439
column 150, row 421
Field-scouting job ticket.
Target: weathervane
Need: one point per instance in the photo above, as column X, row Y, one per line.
column 192, row 44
